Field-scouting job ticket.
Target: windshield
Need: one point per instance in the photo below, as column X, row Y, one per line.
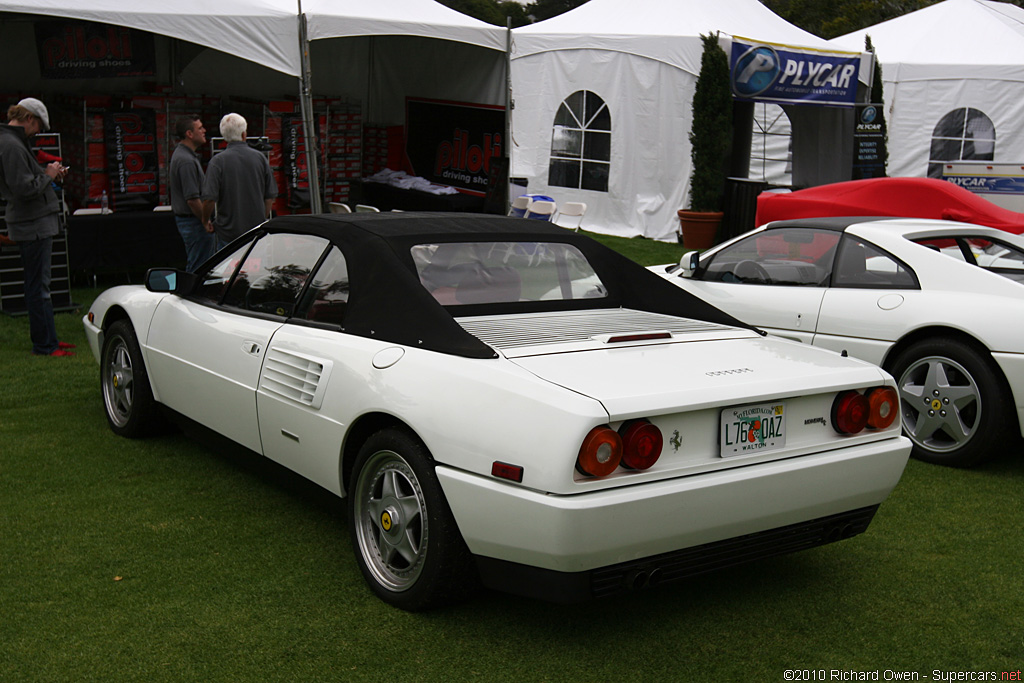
column 460, row 273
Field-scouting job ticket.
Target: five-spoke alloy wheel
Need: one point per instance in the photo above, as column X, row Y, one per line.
column 406, row 541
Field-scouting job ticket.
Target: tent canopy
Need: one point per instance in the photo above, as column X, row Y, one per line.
column 953, row 71
column 663, row 31
column 261, row 31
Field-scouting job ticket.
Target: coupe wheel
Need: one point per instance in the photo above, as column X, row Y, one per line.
column 406, row 541
column 953, row 401
column 127, row 397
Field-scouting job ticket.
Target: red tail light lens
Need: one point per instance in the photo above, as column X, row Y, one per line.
column 850, row 412
column 884, row 407
column 600, row 453
column 641, row 444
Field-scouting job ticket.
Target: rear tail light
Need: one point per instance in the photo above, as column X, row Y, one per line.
column 876, row 408
column 884, row 407
column 850, row 412
column 641, row 444
column 600, row 453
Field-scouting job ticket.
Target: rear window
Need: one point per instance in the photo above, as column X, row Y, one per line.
column 464, row 273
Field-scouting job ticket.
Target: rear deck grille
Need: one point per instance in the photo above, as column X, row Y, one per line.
column 508, row 332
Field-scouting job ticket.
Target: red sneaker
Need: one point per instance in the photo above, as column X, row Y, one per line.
column 58, row 352
column 65, row 345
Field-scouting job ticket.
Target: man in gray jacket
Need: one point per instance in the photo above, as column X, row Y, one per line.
column 239, row 183
column 32, row 216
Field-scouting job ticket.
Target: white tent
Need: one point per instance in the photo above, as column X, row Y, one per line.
column 640, row 59
column 376, row 53
column 953, row 76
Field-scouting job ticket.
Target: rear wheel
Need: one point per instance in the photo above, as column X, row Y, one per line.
column 406, row 541
column 127, row 397
column 954, row 404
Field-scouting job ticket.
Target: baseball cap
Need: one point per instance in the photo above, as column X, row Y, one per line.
column 38, row 109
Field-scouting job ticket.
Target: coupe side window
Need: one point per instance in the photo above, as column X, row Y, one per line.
column 325, row 299
column 274, row 272
column 791, row 257
column 864, row 265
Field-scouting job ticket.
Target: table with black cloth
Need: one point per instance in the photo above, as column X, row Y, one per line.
column 388, row 197
column 124, row 241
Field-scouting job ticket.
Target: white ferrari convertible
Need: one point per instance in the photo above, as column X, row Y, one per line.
column 938, row 304
column 503, row 401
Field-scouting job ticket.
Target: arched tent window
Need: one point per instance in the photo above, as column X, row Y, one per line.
column 581, row 143
column 771, row 148
column 962, row 134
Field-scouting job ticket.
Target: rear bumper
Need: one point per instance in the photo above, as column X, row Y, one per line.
column 568, row 587
column 613, row 527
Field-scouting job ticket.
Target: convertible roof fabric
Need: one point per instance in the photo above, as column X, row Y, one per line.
column 954, row 55
column 388, row 302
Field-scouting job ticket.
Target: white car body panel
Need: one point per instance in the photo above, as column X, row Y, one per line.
column 867, row 323
column 576, row 533
column 206, row 363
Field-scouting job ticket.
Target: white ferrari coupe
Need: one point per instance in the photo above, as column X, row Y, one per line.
column 503, row 402
column 938, row 304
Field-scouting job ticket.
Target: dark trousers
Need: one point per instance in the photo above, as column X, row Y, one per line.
column 35, row 259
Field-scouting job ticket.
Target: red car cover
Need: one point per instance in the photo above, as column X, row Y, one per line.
column 903, row 197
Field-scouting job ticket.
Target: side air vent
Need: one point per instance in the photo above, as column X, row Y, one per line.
column 295, row 377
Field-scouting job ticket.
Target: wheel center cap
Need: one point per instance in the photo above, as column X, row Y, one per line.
column 117, row 380
column 936, row 404
column 389, row 520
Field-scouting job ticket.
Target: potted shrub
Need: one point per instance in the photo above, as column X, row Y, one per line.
column 710, row 136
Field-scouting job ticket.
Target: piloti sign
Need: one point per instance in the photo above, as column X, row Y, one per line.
column 790, row 75
column 82, row 49
column 453, row 143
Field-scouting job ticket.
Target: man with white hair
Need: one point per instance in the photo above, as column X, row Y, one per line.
column 239, row 183
column 32, row 216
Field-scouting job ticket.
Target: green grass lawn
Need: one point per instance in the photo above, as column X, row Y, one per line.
column 169, row 560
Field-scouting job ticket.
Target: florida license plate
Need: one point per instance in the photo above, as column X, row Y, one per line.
column 747, row 430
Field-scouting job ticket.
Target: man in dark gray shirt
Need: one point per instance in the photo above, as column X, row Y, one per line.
column 186, row 188
column 239, row 182
column 32, row 217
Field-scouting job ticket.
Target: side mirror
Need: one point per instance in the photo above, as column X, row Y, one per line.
column 689, row 263
column 169, row 280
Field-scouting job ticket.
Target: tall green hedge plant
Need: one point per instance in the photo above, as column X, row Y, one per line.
column 711, row 131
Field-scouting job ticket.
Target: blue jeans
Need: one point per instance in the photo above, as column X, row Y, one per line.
column 35, row 259
column 199, row 244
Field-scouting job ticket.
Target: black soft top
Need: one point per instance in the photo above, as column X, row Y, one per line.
column 388, row 302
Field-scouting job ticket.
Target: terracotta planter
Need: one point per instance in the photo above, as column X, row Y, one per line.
column 698, row 228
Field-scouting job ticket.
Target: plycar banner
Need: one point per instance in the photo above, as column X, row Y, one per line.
column 767, row 72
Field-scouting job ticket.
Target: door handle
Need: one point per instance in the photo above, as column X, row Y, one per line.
column 252, row 348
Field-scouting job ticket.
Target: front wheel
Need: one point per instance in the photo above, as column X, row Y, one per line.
column 405, row 538
column 127, row 397
column 954, row 405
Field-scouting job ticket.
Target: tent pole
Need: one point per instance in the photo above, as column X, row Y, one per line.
column 508, row 112
column 308, row 118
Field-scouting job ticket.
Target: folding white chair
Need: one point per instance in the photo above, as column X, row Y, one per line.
column 541, row 209
column 519, row 206
column 163, row 207
column 366, row 208
column 338, row 207
column 574, row 212
column 88, row 212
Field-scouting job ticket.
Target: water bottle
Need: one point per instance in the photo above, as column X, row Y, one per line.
column 104, row 202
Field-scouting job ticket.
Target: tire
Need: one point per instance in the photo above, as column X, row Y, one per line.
column 127, row 397
column 405, row 538
column 955, row 405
